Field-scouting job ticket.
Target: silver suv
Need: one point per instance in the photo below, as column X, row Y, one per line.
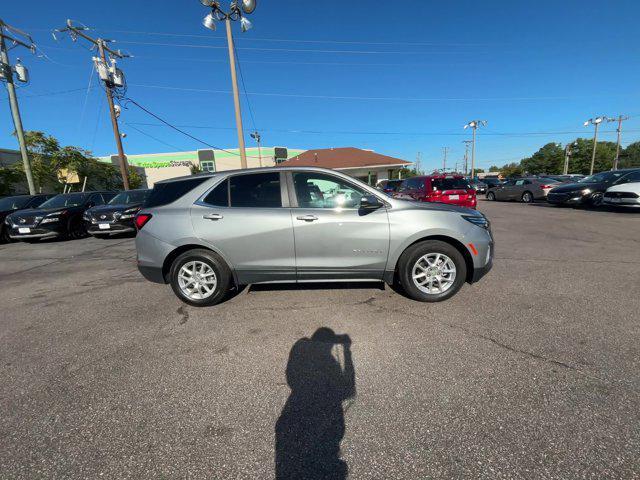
column 208, row 233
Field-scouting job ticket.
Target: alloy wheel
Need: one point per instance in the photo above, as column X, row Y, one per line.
column 526, row 197
column 197, row 280
column 434, row 273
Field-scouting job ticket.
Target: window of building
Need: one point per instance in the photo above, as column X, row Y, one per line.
column 208, row 166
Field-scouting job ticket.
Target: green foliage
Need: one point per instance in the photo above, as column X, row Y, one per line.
column 8, row 177
column 630, row 156
column 494, row 168
column 511, row 170
column 135, row 179
column 580, row 161
column 195, row 169
column 479, row 170
column 48, row 157
column 408, row 173
column 549, row 159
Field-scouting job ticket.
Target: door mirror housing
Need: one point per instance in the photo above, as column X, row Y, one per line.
column 370, row 202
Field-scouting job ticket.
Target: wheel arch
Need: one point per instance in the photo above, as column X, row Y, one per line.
column 457, row 244
column 175, row 253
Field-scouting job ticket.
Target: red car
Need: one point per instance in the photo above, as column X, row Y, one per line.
column 452, row 189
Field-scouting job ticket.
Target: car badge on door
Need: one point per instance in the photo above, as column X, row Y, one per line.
column 22, row 220
column 102, row 217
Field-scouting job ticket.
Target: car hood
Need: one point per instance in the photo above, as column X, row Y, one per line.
column 626, row 187
column 573, row 187
column 41, row 212
column 440, row 207
column 119, row 207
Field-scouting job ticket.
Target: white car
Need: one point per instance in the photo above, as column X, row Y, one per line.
column 624, row 195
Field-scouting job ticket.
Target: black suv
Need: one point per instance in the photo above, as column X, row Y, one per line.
column 60, row 216
column 117, row 215
column 17, row 202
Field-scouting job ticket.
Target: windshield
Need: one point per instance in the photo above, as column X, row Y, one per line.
column 602, row 177
column 449, row 184
column 132, row 196
column 13, row 203
column 65, row 200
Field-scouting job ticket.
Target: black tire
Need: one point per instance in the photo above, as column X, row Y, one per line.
column 596, row 199
column 4, row 234
column 76, row 229
column 412, row 254
column 219, row 267
column 527, row 197
column 491, row 196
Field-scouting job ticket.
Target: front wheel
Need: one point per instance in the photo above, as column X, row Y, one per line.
column 491, row 196
column 596, row 199
column 527, row 197
column 432, row 271
column 200, row 278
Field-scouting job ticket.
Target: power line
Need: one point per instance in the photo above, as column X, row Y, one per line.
column 130, row 100
column 244, row 87
column 151, row 136
column 347, row 97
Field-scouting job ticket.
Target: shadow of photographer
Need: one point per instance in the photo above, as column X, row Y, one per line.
column 311, row 425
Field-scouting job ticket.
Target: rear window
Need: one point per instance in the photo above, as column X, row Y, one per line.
column 449, row 184
column 169, row 192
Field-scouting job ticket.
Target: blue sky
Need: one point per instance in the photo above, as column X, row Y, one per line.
column 329, row 74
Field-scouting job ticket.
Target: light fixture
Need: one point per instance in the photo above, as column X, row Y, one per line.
column 208, row 3
column 248, row 6
column 245, row 24
column 209, row 22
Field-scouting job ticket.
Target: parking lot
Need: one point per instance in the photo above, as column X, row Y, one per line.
column 531, row 373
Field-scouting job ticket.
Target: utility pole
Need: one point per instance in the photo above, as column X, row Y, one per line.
column 567, row 154
column 256, row 136
column 445, row 150
column 594, row 121
column 466, row 156
column 235, row 13
column 620, row 119
column 474, row 124
column 6, row 74
column 418, row 158
column 112, row 78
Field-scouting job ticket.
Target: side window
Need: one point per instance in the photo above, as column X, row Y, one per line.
column 317, row 190
column 219, row 196
column 403, row 186
column 257, row 190
column 632, row 177
column 527, row 182
column 520, row 182
column 96, row 199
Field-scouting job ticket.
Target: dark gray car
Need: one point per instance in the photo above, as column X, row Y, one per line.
column 525, row 190
column 205, row 234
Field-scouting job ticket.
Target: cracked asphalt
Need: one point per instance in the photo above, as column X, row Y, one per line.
column 534, row 372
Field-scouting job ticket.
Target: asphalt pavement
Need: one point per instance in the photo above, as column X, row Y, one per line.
column 534, row 372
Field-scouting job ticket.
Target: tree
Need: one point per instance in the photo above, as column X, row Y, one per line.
column 580, row 160
column 548, row 159
column 494, row 168
column 8, row 177
column 48, row 157
column 630, row 156
column 408, row 172
column 511, row 170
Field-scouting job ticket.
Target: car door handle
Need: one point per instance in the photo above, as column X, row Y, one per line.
column 307, row 218
column 212, row 216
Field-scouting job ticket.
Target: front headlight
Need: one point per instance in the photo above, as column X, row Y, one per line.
column 479, row 220
column 50, row 220
column 127, row 216
column 585, row 191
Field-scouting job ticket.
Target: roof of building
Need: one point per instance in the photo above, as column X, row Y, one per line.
column 342, row 158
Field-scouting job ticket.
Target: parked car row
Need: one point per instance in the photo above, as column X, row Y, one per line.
column 69, row 215
column 450, row 189
column 616, row 187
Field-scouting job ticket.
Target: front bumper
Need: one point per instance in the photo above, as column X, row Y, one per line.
column 50, row 231
column 112, row 228
column 572, row 198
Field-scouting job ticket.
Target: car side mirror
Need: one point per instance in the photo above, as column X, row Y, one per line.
column 370, row 202
column 91, row 204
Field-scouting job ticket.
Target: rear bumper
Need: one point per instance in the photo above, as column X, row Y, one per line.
column 153, row 274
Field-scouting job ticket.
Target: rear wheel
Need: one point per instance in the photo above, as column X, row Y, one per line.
column 4, row 234
column 596, row 199
column 77, row 229
column 200, row 278
column 491, row 196
column 432, row 271
column 527, row 197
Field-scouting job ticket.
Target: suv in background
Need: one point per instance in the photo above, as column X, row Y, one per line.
column 60, row 216
column 452, row 189
column 389, row 186
column 526, row 190
column 205, row 234
column 17, row 202
column 117, row 215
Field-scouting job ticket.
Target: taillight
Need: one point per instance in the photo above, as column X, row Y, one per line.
column 546, row 187
column 142, row 219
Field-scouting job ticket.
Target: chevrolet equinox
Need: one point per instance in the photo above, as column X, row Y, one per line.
column 207, row 233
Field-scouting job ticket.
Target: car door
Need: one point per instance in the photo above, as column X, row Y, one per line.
column 247, row 220
column 503, row 192
column 518, row 189
column 334, row 238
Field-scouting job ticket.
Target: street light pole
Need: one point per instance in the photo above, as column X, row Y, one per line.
column 236, row 95
column 596, row 122
column 256, row 136
column 474, row 124
column 466, row 156
column 238, row 7
column 620, row 119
